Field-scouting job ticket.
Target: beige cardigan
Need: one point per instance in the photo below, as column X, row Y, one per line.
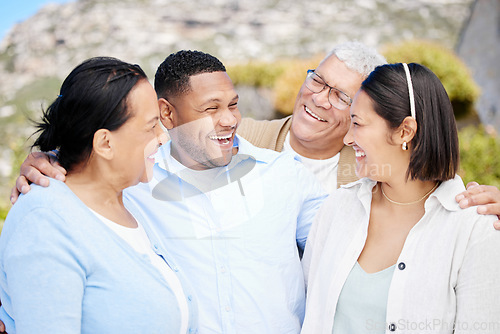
column 272, row 134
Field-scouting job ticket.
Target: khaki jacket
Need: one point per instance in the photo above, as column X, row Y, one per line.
column 272, row 134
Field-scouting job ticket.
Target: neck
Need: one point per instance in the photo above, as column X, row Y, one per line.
column 406, row 193
column 315, row 149
column 95, row 191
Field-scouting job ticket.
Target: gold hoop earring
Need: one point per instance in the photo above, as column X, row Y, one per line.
column 404, row 146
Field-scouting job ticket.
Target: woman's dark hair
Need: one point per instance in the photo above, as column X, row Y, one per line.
column 172, row 76
column 434, row 148
column 92, row 97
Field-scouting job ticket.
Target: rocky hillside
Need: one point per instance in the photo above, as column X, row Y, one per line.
column 37, row 53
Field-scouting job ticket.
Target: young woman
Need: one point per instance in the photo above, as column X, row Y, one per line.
column 393, row 251
column 73, row 259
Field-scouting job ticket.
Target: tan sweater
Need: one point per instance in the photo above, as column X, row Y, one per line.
column 272, row 134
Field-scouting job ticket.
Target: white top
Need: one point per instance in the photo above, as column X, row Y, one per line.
column 325, row 170
column 362, row 303
column 446, row 275
column 139, row 241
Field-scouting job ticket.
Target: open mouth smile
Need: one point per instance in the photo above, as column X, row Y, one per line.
column 314, row 115
column 222, row 139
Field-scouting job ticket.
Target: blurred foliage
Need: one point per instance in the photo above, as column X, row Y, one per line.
column 288, row 84
column 450, row 69
column 15, row 129
column 283, row 77
column 256, row 74
column 479, row 155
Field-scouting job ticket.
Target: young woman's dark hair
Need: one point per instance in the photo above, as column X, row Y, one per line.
column 172, row 76
column 92, row 97
column 434, row 148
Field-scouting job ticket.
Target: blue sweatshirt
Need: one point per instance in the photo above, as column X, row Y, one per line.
column 63, row 271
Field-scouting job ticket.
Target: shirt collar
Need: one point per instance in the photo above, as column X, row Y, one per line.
column 168, row 184
column 444, row 194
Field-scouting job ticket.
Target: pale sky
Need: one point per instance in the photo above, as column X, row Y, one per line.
column 15, row 11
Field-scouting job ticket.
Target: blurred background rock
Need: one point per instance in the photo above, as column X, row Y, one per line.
column 266, row 45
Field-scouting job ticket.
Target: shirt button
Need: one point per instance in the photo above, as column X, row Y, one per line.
column 392, row 327
column 401, row 266
column 228, row 309
column 222, row 269
column 190, row 298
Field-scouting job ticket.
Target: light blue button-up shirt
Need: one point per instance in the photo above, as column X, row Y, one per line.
column 234, row 232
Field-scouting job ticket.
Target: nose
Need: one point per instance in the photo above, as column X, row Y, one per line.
column 321, row 99
column 228, row 117
column 161, row 135
column 349, row 138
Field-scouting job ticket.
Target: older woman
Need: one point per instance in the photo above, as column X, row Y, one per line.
column 393, row 251
column 73, row 258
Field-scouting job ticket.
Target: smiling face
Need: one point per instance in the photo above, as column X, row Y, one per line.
column 317, row 127
column 202, row 122
column 378, row 155
column 137, row 140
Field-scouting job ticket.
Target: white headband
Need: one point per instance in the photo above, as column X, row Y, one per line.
column 410, row 90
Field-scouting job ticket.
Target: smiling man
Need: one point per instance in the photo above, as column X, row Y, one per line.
column 320, row 121
column 320, row 117
column 230, row 213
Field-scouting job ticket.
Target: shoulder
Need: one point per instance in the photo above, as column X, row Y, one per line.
column 352, row 191
column 266, row 134
column 45, row 210
column 56, row 195
column 259, row 153
column 249, row 124
column 346, row 202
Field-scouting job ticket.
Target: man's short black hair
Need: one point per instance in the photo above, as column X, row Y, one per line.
column 172, row 76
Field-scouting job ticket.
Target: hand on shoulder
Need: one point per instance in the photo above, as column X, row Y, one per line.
column 486, row 198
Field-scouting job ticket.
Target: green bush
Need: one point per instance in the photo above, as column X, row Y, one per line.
column 452, row 72
column 256, row 74
column 479, row 155
column 284, row 77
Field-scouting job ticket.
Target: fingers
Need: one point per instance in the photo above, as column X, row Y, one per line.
column 38, row 165
column 486, row 198
column 36, row 168
column 478, row 195
column 21, row 186
column 470, row 185
column 2, row 327
column 60, row 169
column 496, row 224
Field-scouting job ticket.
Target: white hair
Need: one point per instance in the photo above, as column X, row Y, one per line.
column 358, row 57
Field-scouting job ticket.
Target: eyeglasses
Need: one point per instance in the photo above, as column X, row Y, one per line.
column 337, row 98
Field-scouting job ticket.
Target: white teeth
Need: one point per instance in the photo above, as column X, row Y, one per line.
column 314, row 115
column 360, row 154
column 220, row 137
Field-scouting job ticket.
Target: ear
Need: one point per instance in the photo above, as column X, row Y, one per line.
column 406, row 131
column 167, row 113
column 102, row 144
